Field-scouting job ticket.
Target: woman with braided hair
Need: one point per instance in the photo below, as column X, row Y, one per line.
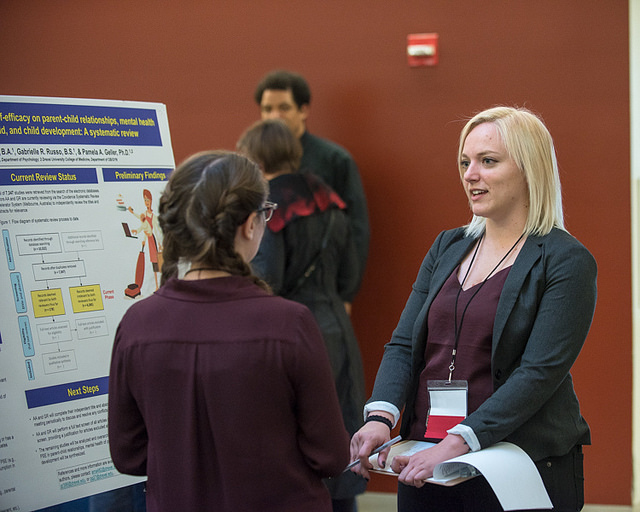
column 220, row 392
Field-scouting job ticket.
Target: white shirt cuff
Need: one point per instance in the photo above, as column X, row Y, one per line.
column 467, row 434
column 382, row 406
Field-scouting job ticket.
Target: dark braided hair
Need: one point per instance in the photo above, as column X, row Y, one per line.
column 207, row 197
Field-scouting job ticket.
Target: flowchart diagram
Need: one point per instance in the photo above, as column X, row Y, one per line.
column 61, row 271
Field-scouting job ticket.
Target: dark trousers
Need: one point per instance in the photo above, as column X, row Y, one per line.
column 563, row 478
column 346, row 505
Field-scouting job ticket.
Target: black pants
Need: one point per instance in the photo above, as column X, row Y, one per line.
column 563, row 478
column 347, row 505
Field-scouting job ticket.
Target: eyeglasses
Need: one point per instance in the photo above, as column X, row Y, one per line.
column 268, row 210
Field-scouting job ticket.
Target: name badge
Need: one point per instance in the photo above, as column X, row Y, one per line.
column 447, row 406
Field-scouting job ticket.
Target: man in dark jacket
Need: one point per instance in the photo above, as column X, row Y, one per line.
column 286, row 95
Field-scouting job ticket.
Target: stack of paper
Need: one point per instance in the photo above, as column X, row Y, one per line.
column 509, row 470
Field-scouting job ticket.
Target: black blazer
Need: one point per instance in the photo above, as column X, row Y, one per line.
column 542, row 320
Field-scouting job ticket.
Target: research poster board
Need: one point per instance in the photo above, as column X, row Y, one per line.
column 80, row 182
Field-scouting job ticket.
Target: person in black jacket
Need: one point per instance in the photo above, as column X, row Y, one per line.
column 308, row 255
column 286, row 95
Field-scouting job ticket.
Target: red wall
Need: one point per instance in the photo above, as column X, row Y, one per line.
column 567, row 60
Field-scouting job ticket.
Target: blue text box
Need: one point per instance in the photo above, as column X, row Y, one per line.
column 44, row 123
column 58, row 176
column 67, row 392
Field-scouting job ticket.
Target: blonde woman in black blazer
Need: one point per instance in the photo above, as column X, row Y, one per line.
column 515, row 294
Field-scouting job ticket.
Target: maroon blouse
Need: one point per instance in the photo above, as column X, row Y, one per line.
column 473, row 359
column 223, row 396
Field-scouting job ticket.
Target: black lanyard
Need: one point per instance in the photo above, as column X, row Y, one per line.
column 457, row 328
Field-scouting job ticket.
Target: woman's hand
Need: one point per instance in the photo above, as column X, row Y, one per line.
column 364, row 441
column 415, row 470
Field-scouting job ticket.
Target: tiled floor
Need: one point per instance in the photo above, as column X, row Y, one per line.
column 386, row 502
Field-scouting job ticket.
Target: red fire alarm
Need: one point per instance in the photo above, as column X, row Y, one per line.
column 422, row 49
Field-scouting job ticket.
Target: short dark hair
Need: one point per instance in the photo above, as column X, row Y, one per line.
column 283, row 80
column 271, row 145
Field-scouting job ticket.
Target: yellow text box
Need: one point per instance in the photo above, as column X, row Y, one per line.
column 86, row 298
column 47, row 302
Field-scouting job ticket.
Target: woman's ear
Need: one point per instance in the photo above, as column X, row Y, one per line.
column 248, row 237
column 248, row 229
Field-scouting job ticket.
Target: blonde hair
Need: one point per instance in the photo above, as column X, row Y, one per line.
column 529, row 144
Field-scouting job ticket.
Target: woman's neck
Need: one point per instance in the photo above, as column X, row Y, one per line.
column 494, row 251
column 501, row 237
column 271, row 175
column 197, row 272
